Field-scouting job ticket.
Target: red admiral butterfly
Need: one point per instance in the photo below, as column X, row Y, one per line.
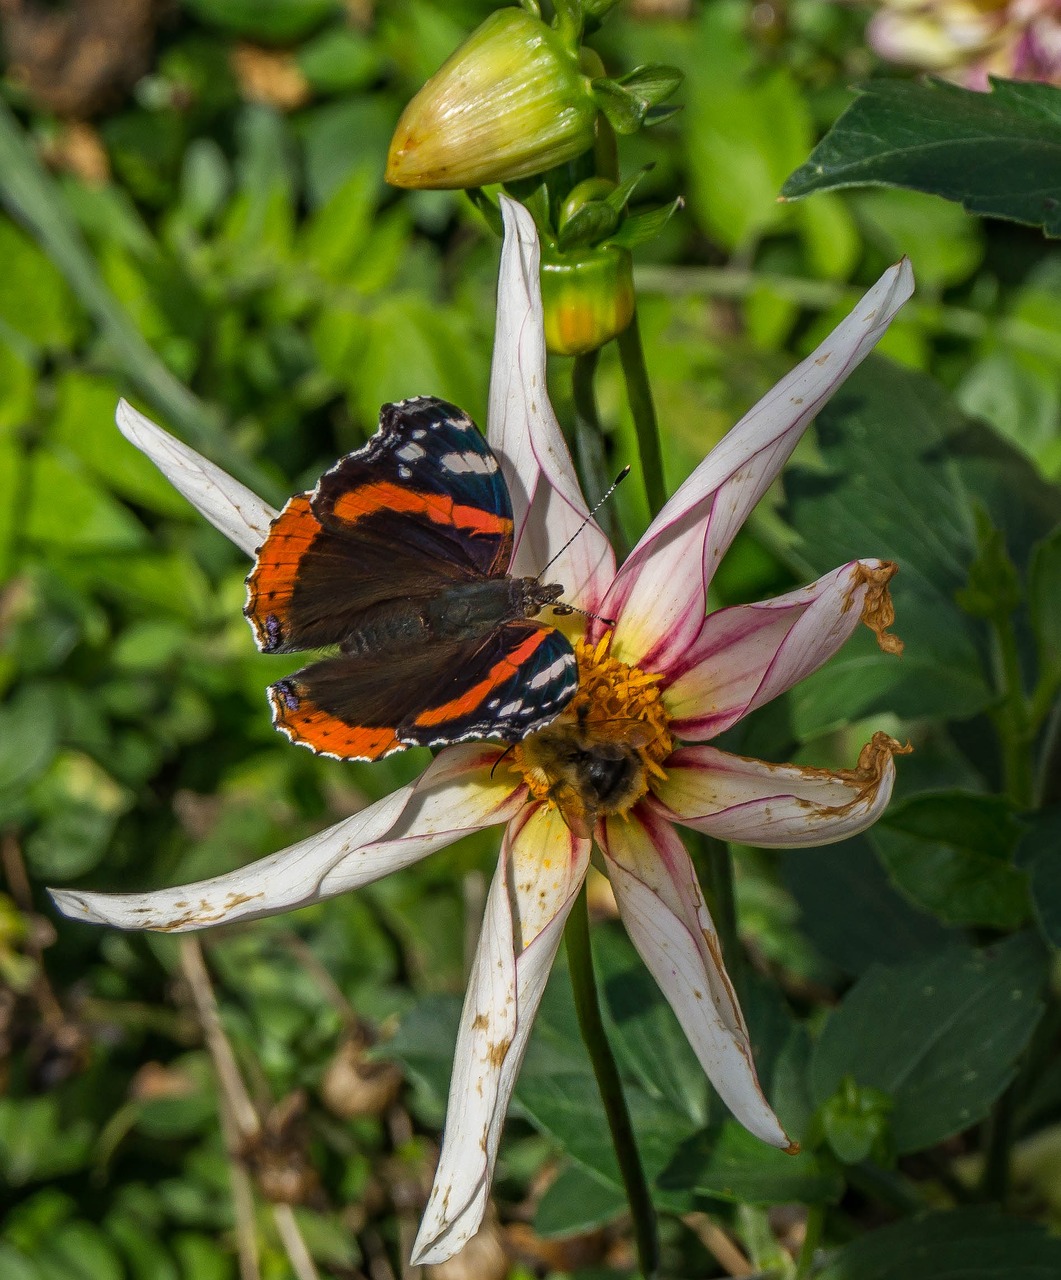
column 400, row 557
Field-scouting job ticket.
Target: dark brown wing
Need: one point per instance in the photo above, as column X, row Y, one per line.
column 503, row 687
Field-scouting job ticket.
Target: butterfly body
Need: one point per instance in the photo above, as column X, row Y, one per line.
column 465, row 611
column 400, row 558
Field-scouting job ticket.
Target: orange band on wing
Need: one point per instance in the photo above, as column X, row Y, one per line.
column 369, row 499
column 272, row 580
column 472, row 699
column 310, row 726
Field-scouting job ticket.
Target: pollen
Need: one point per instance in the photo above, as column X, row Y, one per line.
column 602, row 753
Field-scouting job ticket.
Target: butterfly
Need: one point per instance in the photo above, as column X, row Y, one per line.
column 400, row 558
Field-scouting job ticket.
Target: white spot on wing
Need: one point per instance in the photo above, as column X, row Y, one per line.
column 469, row 462
column 411, row 453
column 544, row 677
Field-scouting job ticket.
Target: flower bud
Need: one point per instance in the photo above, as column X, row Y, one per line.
column 588, row 297
column 510, row 102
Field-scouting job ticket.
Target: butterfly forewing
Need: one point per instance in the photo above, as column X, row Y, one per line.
column 427, row 483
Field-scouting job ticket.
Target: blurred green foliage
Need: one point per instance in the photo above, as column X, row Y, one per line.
column 212, row 238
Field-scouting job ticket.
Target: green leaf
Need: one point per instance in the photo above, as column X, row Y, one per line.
column 966, row 1244
column 12, row 465
column 340, row 59
column 728, row 1163
column 37, row 1142
column 993, row 589
column 70, row 843
column 18, row 383
column 34, row 299
column 71, row 512
column 84, row 426
column 576, row 1203
column 15, row 1265
column 851, row 913
column 589, row 224
column 280, row 20
column 951, row 852
column 337, row 232
column 652, row 84
column 888, row 486
column 1044, row 603
column 940, row 1035
column 625, row 111
column 996, row 153
column 641, row 227
column 747, row 126
column 945, row 246
column 168, row 581
column 30, row 724
column 424, row 1042
column 1040, row 852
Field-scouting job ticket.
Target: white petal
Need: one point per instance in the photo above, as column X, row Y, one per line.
column 547, row 502
column 664, row 912
column 660, row 593
column 540, row 871
column 747, row 655
column 229, row 506
column 453, row 797
column 776, row 805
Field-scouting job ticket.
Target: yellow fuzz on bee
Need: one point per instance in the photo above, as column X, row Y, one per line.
column 616, row 722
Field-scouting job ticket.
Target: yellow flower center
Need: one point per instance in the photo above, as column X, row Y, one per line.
column 599, row 755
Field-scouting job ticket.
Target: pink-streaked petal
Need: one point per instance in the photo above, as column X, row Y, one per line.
column 453, row 797
column 747, row 655
column 776, row 805
column 229, row 506
column 541, row 869
column 546, row 499
column 664, row 912
column 660, row 594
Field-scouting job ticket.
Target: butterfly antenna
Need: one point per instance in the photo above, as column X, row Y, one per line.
column 564, row 608
column 507, row 752
column 596, row 507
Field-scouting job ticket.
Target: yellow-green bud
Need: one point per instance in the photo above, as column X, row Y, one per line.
column 510, row 102
column 588, row 298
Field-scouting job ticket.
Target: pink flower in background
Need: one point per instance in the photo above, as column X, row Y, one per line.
column 968, row 40
column 627, row 759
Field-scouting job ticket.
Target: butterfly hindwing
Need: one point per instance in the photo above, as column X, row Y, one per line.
column 504, row 687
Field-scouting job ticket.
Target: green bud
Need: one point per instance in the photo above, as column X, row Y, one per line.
column 510, row 102
column 855, row 1123
column 588, row 297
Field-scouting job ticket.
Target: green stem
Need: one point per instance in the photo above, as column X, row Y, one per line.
column 587, row 1006
column 811, row 1240
column 590, row 459
column 994, row 1183
column 1012, row 718
column 716, row 877
column 639, row 395
column 1048, row 785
